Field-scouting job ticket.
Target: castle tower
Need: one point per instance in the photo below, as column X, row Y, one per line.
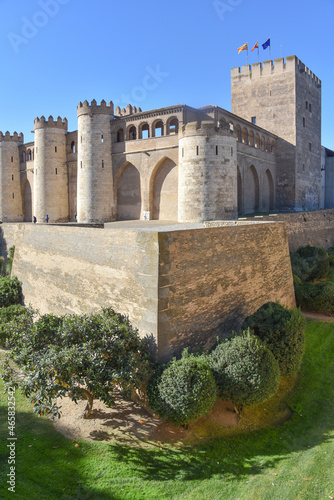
column 285, row 98
column 50, row 170
column 207, row 173
column 95, row 197
column 11, row 209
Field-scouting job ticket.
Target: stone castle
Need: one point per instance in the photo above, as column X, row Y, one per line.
column 176, row 163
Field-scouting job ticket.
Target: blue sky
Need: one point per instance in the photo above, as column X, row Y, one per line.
column 56, row 53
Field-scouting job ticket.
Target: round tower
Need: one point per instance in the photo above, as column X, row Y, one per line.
column 207, row 172
column 11, row 209
column 95, row 196
column 50, row 170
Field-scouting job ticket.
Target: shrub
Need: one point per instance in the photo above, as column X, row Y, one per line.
column 310, row 263
column 10, row 291
column 8, row 315
column 283, row 331
column 330, row 253
column 245, row 370
column 184, row 390
column 317, row 297
column 81, row 356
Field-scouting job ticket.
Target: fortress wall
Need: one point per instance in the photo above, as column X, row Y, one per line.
column 66, row 269
column 182, row 286
column 212, row 279
column 306, row 228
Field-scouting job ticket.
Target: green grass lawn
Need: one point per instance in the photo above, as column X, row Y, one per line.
column 292, row 461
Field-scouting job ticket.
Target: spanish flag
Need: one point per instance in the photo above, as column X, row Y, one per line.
column 256, row 46
column 243, row 47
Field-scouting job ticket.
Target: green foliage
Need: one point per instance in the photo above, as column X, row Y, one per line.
column 184, row 390
column 330, row 253
column 310, row 263
column 87, row 355
column 245, row 370
column 10, row 260
column 283, row 331
column 10, row 291
column 317, row 297
column 8, row 315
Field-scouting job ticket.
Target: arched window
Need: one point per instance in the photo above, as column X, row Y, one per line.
column 29, row 155
column 238, row 133
column 231, row 124
column 272, row 147
column 173, row 126
column 73, row 147
column 268, row 146
column 257, row 141
column 145, row 131
column 132, row 133
column 244, row 136
column 120, row 135
column 262, row 143
column 158, row 129
column 251, row 138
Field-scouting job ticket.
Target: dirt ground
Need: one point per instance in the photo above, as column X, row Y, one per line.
column 129, row 423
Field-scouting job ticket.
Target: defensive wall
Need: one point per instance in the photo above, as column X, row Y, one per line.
column 306, row 228
column 180, row 284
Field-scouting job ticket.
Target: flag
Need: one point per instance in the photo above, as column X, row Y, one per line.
column 266, row 44
column 243, row 47
column 256, row 46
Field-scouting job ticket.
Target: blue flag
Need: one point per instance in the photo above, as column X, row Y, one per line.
column 266, row 44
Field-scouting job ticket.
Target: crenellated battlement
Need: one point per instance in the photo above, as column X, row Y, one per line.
column 84, row 108
column 19, row 138
column 130, row 110
column 279, row 66
column 206, row 128
column 42, row 122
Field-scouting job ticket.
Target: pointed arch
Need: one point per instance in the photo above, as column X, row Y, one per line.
column 27, row 201
column 268, row 192
column 252, row 191
column 240, row 208
column 164, row 190
column 128, row 193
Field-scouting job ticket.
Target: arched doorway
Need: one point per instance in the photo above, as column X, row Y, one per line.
column 268, row 192
column 164, row 191
column 240, row 210
column 128, row 193
column 251, row 192
column 27, row 202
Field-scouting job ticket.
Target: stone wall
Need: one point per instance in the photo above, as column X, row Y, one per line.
column 306, row 228
column 182, row 287
column 211, row 280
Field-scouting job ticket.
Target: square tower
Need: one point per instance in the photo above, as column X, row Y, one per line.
column 284, row 97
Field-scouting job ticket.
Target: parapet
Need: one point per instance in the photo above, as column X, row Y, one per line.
column 291, row 65
column 84, row 108
column 19, row 138
column 206, row 128
column 130, row 110
column 50, row 123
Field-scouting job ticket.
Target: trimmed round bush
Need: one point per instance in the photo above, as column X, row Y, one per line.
column 7, row 315
column 317, row 297
column 245, row 370
column 10, row 291
column 184, row 390
column 283, row 331
column 310, row 263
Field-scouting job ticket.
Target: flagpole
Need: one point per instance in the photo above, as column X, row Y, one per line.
column 270, row 48
column 258, row 50
column 247, row 53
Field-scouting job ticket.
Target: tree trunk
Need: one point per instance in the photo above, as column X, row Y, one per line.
column 90, row 401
